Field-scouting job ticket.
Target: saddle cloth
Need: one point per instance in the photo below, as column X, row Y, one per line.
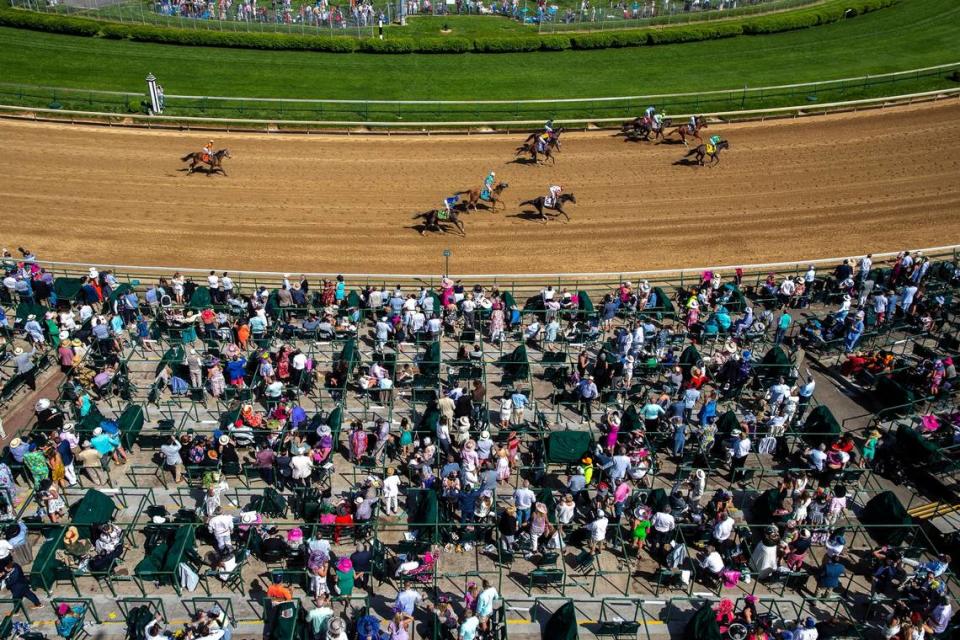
column 711, row 149
column 548, row 201
column 485, row 194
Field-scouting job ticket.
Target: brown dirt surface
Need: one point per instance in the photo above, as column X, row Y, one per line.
column 796, row 189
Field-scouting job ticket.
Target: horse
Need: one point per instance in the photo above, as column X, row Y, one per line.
column 541, row 205
column 214, row 161
column 532, row 145
column 641, row 127
column 433, row 221
column 686, row 130
column 493, row 197
column 554, row 138
column 701, row 152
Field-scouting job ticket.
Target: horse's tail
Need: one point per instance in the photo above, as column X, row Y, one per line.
column 186, row 157
column 530, row 202
column 691, row 152
column 460, row 193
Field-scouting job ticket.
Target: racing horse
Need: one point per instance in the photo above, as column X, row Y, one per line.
column 475, row 196
column 685, row 130
column 542, row 205
column 703, row 150
column 535, row 147
column 214, row 161
column 641, row 127
column 433, row 221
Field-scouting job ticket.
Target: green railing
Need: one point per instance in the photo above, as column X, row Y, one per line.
column 479, row 111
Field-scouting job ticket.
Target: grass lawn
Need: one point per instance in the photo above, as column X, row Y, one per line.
column 463, row 26
column 913, row 33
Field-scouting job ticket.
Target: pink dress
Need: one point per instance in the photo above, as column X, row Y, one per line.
column 612, row 436
column 358, row 443
column 503, row 468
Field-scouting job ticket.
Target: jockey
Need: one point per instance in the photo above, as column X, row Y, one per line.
column 548, row 127
column 694, row 123
column 449, row 204
column 657, row 121
column 554, row 196
column 488, row 183
column 715, row 140
column 207, row 151
column 650, row 112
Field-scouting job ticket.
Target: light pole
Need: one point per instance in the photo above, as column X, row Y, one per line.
column 446, row 262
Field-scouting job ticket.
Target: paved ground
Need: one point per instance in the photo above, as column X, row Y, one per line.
column 817, row 187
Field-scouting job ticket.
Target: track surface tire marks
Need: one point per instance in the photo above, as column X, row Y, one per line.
column 818, row 187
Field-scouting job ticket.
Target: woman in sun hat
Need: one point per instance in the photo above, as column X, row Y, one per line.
column 345, row 577
column 869, row 450
column 538, row 524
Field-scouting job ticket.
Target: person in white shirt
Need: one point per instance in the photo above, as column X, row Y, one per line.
column 221, row 527
column 808, row 631
column 213, row 282
column 663, row 524
column 741, row 449
column 226, row 564
column 391, row 492
column 301, row 467
column 723, row 528
column 712, row 562
column 598, row 532
column 866, row 263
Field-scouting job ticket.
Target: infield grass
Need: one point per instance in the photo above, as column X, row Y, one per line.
column 911, row 34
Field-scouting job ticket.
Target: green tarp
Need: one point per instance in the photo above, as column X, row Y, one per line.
column 46, row 568
column 737, row 302
column 173, row 357
column 515, row 364
column 820, row 427
column 25, row 309
column 200, row 299
column 764, row 506
column 131, row 424
column 348, row 355
column 562, row 625
column 94, row 509
column 119, row 291
column 430, row 365
column 885, row 509
column 775, row 363
column 703, row 625
column 280, row 620
column 913, row 447
column 891, row 393
column 67, row 288
column 160, row 564
column 688, row 359
column 567, row 447
column 586, row 304
column 664, row 305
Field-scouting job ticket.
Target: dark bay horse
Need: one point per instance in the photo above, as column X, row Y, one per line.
column 701, row 152
column 214, row 161
column 541, row 205
column 642, row 127
column 433, row 221
column 473, row 196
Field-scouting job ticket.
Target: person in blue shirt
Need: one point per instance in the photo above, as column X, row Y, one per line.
column 341, row 291
column 829, row 579
column 854, row 333
column 783, row 323
column 67, row 619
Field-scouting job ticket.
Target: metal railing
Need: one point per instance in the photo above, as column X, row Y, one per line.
column 744, row 102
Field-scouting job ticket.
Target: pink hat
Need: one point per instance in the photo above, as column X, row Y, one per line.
column 63, row 609
column 344, row 565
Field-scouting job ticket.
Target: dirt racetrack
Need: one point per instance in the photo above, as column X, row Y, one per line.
column 817, row 187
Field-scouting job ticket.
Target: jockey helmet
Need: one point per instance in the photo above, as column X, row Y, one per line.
column 210, row 143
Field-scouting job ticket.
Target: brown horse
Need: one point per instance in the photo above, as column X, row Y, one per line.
column 541, row 206
column 493, row 197
column 702, row 152
column 214, row 161
column 686, row 130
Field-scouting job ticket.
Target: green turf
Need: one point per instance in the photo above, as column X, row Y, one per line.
column 463, row 26
column 912, row 34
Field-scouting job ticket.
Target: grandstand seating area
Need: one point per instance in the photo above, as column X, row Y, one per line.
column 351, row 374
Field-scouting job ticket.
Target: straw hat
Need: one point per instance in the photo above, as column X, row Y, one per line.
column 69, row 426
column 358, row 500
column 77, row 342
column 18, row 351
column 248, row 518
column 65, row 337
column 224, row 439
column 31, row 317
column 471, row 445
column 540, row 508
column 71, row 535
column 464, row 422
column 335, row 626
column 484, row 435
column 324, row 430
column 97, row 431
column 42, row 404
column 93, row 273
column 446, row 283
column 568, row 498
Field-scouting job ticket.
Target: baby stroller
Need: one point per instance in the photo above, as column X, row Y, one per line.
column 419, row 571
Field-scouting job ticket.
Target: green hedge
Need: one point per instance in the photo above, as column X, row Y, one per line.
column 829, row 11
